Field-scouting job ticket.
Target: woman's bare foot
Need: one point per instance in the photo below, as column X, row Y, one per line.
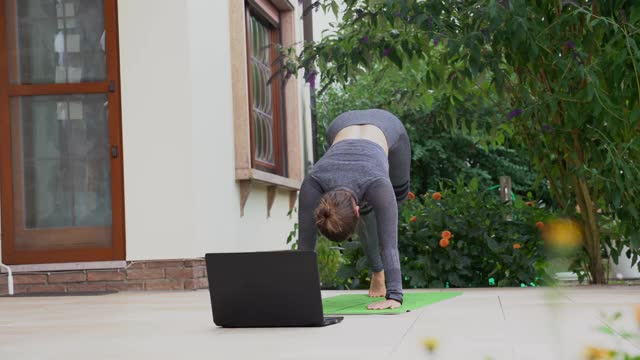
column 386, row 304
column 377, row 287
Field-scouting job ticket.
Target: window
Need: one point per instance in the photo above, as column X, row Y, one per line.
column 266, row 127
column 265, row 89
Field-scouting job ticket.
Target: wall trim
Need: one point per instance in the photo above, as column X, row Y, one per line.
column 93, row 265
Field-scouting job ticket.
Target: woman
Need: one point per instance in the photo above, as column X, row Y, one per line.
column 357, row 186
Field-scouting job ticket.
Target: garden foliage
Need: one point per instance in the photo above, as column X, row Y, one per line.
column 566, row 75
column 461, row 237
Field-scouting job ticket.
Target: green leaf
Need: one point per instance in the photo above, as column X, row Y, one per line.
column 606, row 330
column 351, row 245
column 474, row 184
column 634, row 240
column 491, row 243
column 395, row 58
column 335, row 8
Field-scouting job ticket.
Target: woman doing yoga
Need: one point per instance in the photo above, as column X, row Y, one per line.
column 356, row 187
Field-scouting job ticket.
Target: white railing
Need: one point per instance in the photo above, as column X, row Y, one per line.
column 10, row 282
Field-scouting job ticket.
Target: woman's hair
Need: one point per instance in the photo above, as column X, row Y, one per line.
column 336, row 216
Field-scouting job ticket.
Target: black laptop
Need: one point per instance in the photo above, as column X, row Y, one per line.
column 266, row 289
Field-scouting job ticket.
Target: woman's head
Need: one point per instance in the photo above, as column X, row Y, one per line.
column 337, row 215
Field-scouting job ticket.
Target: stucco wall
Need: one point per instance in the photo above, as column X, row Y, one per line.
column 181, row 196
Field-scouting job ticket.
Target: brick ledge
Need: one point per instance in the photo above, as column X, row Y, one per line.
column 146, row 275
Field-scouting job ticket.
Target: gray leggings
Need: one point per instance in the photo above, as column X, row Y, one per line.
column 399, row 173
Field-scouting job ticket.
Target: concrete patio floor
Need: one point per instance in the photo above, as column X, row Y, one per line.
column 531, row 323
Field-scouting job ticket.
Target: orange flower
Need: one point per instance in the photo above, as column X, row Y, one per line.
column 444, row 243
column 413, row 218
column 446, row 234
column 638, row 314
column 529, row 203
column 437, row 196
column 517, row 246
column 411, row 195
column 540, row 225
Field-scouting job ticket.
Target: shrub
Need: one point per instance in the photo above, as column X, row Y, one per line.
column 329, row 261
column 482, row 249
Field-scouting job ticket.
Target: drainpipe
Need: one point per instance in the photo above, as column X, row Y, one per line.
column 307, row 23
column 10, row 282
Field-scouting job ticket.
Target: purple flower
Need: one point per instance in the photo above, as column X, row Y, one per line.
column 570, row 44
column 364, row 39
column 513, row 113
column 547, row 128
column 386, row 51
column 485, row 32
column 311, row 78
column 436, row 41
column 398, row 14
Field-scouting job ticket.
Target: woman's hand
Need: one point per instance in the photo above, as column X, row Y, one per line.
column 387, row 304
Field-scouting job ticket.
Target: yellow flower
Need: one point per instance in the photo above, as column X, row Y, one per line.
column 597, row 353
column 563, row 233
column 431, row 344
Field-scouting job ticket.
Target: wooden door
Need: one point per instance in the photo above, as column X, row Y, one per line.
column 60, row 132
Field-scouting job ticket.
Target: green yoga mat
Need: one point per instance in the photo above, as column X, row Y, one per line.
column 356, row 304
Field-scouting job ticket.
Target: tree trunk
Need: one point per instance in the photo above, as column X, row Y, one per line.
column 591, row 231
column 597, row 270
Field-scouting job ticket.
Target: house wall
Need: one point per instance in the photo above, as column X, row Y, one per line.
column 181, row 197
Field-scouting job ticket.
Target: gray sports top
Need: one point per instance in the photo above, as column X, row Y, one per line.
column 361, row 167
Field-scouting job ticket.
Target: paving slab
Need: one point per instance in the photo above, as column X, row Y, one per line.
column 530, row 323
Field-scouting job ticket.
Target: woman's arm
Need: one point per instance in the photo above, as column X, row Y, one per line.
column 381, row 197
column 310, row 194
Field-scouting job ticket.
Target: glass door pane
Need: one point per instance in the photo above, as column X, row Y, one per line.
column 56, row 41
column 261, row 92
column 62, row 178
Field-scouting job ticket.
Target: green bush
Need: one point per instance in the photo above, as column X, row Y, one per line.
column 329, row 261
column 481, row 251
